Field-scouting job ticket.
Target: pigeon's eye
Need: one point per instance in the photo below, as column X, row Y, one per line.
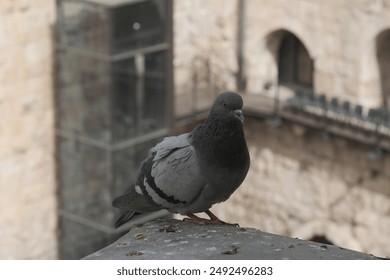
column 224, row 104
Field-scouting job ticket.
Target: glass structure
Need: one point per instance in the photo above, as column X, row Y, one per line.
column 113, row 99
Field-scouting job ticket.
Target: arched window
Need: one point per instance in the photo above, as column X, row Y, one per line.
column 383, row 57
column 294, row 64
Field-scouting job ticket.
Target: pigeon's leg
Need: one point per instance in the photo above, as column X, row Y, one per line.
column 195, row 219
column 217, row 220
column 212, row 221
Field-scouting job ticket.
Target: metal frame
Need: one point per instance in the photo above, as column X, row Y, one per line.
column 110, row 147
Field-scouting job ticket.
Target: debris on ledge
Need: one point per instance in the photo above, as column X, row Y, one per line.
column 175, row 239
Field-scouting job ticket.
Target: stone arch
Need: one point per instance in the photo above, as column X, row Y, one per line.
column 294, row 62
column 382, row 44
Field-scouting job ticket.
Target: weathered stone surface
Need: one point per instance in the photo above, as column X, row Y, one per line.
column 174, row 239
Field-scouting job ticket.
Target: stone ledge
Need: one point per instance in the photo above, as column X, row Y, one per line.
column 175, row 239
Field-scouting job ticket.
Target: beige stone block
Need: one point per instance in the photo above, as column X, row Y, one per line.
column 6, row 6
column 372, row 242
column 366, row 218
column 9, row 245
column 342, row 234
column 267, row 156
column 36, row 239
column 324, row 83
column 27, row 116
column 32, row 24
column 375, row 207
column 38, row 57
column 336, row 190
column 39, row 172
column 12, row 67
column 14, row 134
column 4, row 37
column 33, row 208
column 24, row 5
column 309, row 229
column 273, row 225
column 298, row 130
column 264, row 163
column 344, row 209
column 11, row 176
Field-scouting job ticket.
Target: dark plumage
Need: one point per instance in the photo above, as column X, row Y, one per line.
column 189, row 173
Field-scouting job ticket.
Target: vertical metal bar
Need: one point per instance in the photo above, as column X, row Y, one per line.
column 61, row 36
column 194, row 92
column 139, row 61
column 169, row 88
column 241, row 79
column 111, row 98
column 295, row 58
column 277, row 100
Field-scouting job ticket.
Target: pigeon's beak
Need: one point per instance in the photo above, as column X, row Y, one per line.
column 238, row 114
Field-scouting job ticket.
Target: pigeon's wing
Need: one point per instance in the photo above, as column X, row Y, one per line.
column 170, row 145
column 168, row 179
column 172, row 177
column 137, row 198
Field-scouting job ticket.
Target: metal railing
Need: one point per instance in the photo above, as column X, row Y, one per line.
column 370, row 126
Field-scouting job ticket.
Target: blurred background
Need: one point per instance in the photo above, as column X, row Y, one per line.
column 88, row 86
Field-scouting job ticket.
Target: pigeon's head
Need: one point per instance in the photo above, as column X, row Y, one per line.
column 228, row 104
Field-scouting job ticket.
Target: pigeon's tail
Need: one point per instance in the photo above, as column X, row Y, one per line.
column 125, row 217
column 140, row 218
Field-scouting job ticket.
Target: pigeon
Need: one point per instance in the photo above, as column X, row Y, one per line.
column 188, row 173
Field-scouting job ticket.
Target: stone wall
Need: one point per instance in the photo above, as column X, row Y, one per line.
column 339, row 35
column 28, row 219
column 205, row 61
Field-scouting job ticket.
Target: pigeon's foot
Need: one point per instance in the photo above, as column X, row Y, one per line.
column 214, row 220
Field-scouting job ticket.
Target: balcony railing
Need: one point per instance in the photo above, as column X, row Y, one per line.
column 370, row 126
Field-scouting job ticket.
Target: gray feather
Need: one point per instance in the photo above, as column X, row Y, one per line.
column 170, row 144
column 178, row 173
column 133, row 202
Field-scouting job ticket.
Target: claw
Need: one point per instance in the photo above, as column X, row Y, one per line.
column 214, row 220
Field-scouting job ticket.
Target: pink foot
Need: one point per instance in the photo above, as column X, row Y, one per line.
column 212, row 221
